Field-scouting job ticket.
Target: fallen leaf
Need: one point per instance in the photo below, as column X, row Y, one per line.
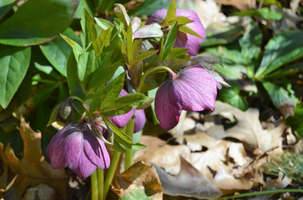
column 188, row 182
column 240, row 4
column 139, row 181
column 248, row 129
column 32, row 169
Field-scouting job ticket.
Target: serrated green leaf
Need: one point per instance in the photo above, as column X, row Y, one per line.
column 88, row 5
column 89, row 32
column 232, row 96
column 148, row 7
column 112, row 91
column 170, row 40
column 120, row 137
column 177, row 53
column 186, row 29
column 104, row 24
column 181, row 20
column 86, row 66
column 281, row 49
column 97, row 99
column 14, row 62
column 77, row 49
column 57, row 50
column 102, row 41
column 171, row 12
column 146, row 54
column 103, row 72
column 123, row 104
column 73, row 81
column 36, row 22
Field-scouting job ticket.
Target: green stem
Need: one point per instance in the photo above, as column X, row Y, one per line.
column 262, row 193
column 94, row 185
column 111, row 172
column 77, row 98
column 128, row 154
column 45, row 81
column 153, row 70
column 100, row 173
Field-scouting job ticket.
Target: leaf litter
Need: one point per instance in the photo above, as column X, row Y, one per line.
column 205, row 165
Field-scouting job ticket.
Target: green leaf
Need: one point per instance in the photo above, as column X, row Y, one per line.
column 136, row 193
column 103, row 72
column 86, row 65
column 104, row 24
column 171, row 12
column 120, row 137
column 146, row 54
column 262, row 12
column 88, row 5
column 291, row 69
column 181, row 20
column 102, row 41
column 148, row 7
column 232, row 96
column 251, row 46
column 122, row 14
column 170, row 40
column 296, row 121
column 77, row 49
column 281, row 49
column 6, row 6
column 73, row 81
column 283, row 99
column 220, row 35
column 107, row 95
column 14, row 62
column 57, row 50
column 89, row 32
column 123, row 104
column 149, row 31
column 186, row 29
column 37, row 21
column 177, row 53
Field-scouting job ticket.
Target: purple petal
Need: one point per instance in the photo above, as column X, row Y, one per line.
column 167, row 114
column 82, row 166
column 194, row 90
column 187, row 41
column 157, row 16
column 140, row 120
column 95, row 150
column 61, row 143
column 121, row 120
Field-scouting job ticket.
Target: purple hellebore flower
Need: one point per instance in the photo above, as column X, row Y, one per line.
column 192, row 89
column 77, row 147
column 183, row 40
column 140, row 120
column 121, row 120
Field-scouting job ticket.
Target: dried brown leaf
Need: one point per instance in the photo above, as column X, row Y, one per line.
column 249, row 130
column 140, row 176
column 188, row 182
column 32, row 169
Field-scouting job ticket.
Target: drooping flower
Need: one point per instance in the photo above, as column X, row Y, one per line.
column 192, row 89
column 121, row 120
column 77, row 147
column 140, row 120
column 183, row 40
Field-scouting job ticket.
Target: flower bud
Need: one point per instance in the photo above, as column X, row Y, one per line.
column 63, row 113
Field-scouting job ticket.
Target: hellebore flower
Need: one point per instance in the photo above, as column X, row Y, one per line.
column 121, row 120
column 192, row 89
column 183, row 40
column 77, row 147
column 140, row 120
